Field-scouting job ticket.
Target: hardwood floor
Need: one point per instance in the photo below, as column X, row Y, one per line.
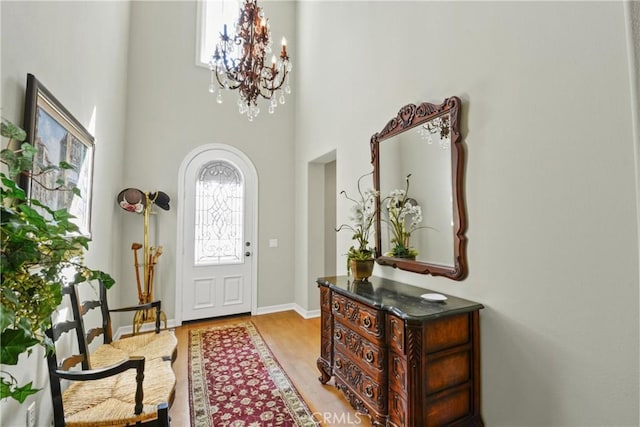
column 295, row 342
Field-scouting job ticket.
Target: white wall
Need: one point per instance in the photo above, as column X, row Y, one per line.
column 550, row 184
column 78, row 50
column 170, row 112
column 550, row 180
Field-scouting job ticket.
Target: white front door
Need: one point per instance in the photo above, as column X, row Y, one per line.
column 218, row 219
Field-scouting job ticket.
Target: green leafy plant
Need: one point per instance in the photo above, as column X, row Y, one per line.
column 363, row 213
column 41, row 252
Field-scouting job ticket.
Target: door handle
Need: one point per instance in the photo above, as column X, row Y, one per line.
column 247, row 253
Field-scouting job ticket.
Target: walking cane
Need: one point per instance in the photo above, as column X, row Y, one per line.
column 135, row 247
column 152, row 266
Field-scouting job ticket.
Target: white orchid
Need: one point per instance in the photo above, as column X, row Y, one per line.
column 363, row 213
column 400, row 209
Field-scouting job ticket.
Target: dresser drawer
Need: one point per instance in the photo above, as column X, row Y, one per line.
column 397, row 372
column 448, row 371
column 366, row 320
column 447, row 332
column 365, row 353
column 395, row 332
column 367, row 388
column 450, row 407
column 397, row 409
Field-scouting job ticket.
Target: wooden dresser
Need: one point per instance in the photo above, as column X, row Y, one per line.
column 400, row 359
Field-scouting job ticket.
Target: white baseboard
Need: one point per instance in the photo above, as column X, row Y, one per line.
column 172, row 323
column 306, row 314
column 274, row 308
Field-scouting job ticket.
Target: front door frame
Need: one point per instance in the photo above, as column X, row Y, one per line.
column 253, row 204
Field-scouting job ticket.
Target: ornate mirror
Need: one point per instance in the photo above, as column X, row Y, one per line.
column 418, row 169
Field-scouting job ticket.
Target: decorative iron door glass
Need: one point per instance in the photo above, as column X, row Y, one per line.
column 219, row 215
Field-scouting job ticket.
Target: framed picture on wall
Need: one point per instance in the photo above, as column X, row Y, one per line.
column 58, row 137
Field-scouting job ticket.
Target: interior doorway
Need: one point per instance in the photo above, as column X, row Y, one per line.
column 322, row 211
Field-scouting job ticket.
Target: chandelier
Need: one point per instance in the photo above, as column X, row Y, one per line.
column 238, row 62
column 439, row 125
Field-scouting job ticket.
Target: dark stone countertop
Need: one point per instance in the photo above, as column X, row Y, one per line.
column 398, row 298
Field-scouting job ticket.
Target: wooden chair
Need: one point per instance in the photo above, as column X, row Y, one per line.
column 122, row 382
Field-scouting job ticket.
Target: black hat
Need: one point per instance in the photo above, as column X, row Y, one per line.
column 132, row 200
column 161, row 199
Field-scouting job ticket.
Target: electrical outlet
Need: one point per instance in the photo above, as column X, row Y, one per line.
column 31, row 415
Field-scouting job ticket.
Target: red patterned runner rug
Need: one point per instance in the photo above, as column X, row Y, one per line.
column 235, row 381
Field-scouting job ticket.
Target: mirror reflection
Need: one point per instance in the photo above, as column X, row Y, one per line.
column 416, row 195
column 418, row 163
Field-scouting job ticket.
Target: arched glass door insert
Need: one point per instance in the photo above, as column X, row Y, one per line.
column 219, row 213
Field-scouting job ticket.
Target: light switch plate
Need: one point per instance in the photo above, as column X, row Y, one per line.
column 31, row 415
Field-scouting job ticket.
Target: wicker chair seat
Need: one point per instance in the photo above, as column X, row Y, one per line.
column 150, row 345
column 110, row 401
column 122, row 382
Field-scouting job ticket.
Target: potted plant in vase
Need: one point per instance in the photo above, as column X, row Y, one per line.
column 404, row 217
column 360, row 258
column 41, row 252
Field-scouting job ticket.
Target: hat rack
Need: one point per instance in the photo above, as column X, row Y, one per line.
column 135, row 201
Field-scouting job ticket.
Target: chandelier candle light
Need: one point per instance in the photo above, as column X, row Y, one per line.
column 238, row 62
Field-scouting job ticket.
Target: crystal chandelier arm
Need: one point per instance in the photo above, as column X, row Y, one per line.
column 274, row 78
column 232, row 86
column 269, row 86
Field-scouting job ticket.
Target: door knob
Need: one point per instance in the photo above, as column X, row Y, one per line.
column 247, row 253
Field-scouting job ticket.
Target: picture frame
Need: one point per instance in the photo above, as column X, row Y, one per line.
column 58, row 136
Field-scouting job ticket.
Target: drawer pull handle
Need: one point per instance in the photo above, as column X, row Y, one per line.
column 367, row 322
column 369, row 356
column 336, row 306
column 368, row 391
column 338, row 334
column 338, row 363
